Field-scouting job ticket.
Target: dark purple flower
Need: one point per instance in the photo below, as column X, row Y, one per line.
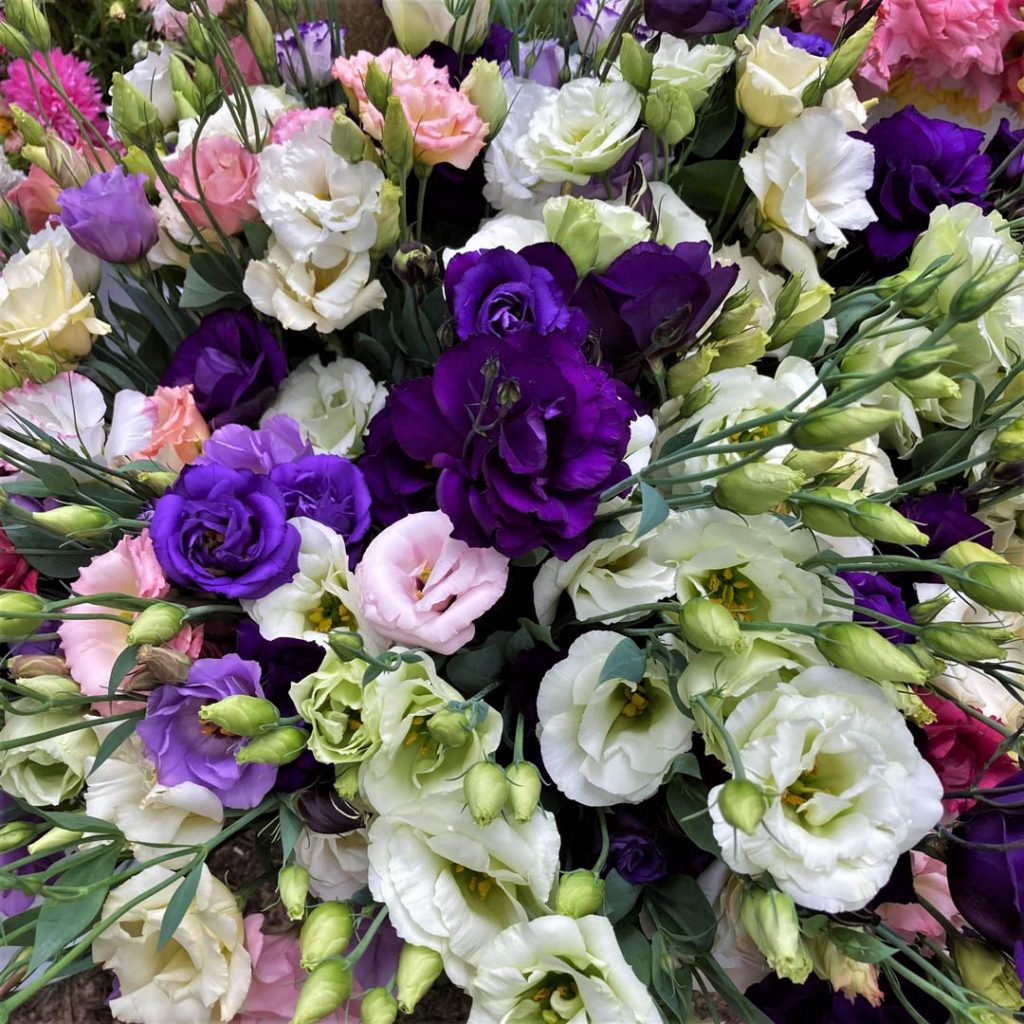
column 225, row 531
column 326, row 488
column 186, row 749
column 325, row 812
column 499, row 292
column 635, row 849
column 1003, row 148
column 691, row 19
column 282, row 662
column 259, row 451
column 495, row 47
column 920, row 163
column 985, row 867
column 808, row 41
column 234, row 364
column 943, row 516
column 315, row 40
column 875, row 593
column 526, row 435
column 110, row 216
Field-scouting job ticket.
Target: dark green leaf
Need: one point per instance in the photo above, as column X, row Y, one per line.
column 113, row 740
column 626, row 661
column 685, row 914
column 620, row 896
column 470, row 671
column 716, row 125
column 850, row 310
column 726, row 988
column 291, row 828
column 861, row 946
column 653, row 510
column 637, row 951
column 808, row 341
column 678, row 441
column 178, row 904
column 257, row 235
column 199, row 293
column 671, row 980
column 688, row 802
column 123, row 664
column 714, row 185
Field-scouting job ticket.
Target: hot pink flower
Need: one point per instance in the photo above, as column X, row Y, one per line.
column 165, row 426
column 26, row 87
column 15, row 572
column 420, row 587
column 227, row 174
column 291, row 122
column 909, row 920
column 36, row 197
column 91, row 646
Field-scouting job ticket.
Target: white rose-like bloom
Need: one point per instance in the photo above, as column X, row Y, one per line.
column 124, row 790
column 269, row 101
column 512, row 231
column 152, row 77
column 559, row 968
column 842, row 99
column 202, row 974
column 608, row 575
column 607, row 742
column 580, row 130
column 746, row 563
column 86, row 268
column 573, row 222
column 847, row 790
column 811, row 180
column 418, row 23
column 452, row 886
column 337, row 865
column 771, row 77
column 675, row 221
column 333, row 404
column 696, row 68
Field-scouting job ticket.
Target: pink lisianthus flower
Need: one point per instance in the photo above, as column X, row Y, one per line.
column 166, row 426
column 36, row 197
column 246, row 61
column 91, row 646
column 419, row 586
column 909, row 920
column 291, row 122
column 171, row 24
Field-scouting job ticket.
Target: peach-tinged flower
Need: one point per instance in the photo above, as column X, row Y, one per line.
column 36, row 197
column 911, row 919
column 165, row 426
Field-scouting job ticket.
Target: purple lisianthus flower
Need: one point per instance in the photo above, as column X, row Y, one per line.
column 635, row 849
column 874, row 593
column 314, row 38
column 495, row 47
column 234, row 364
column 595, row 20
column 1003, row 149
column 186, row 749
column 920, row 163
column 259, row 451
column 225, row 531
column 540, row 60
column 330, row 490
column 499, row 292
column 526, row 435
column 110, row 216
column 817, row 45
column 944, row 518
column 691, row 19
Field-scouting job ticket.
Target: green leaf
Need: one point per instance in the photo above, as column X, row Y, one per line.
column 849, row 311
column 683, row 911
column 626, row 661
column 726, row 988
column 714, row 185
column 861, row 946
column 653, row 510
column 677, row 442
column 620, row 896
column 52, row 556
column 257, row 235
column 123, row 664
column 688, row 802
column 291, row 828
column 637, row 951
column 716, row 126
column 199, row 293
column 807, row 342
column 470, row 671
column 672, row 982
column 178, row 904
column 113, row 740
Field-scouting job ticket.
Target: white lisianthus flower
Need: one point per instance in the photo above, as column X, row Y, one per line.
column 582, row 129
column 333, row 404
column 675, row 221
column 152, row 77
column 594, row 233
column 762, row 285
column 512, row 231
column 842, row 99
column 811, row 180
column 559, row 968
column 86, row 268
column 847, row 790
column 746, row 563
column 202, row 974
column 608, row 741
column 9, row 176
column 269, row 102
column 772, row 75
column 337, row 864
column 695, row 68
column 418, row 23
column 124, row 790
column 608, row 575
column 453, row 886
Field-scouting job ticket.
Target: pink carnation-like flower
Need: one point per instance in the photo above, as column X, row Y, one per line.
column 28, row 89
column 291, row 122
column 166, row 426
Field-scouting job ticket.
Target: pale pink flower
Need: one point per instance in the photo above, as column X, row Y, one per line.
column 91, row 646
column 909, row 920
column 291, row 122
column 170, row 23
column 246, row 61
column 166, row 426
column 419, row 586
column 36, row 197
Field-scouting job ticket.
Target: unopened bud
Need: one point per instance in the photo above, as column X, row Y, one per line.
column 346, row 781
column 683, row 376
column 418, row 969
column 241, row 714
column 486, row 789
column 28, row 127
column 260, row 36
column 823, row 516
column 279, row 746
column 157, row 624
column 182, row 84
column 756, row 487
column 865, row 651
column 67, row 166
column 325, row 990
column 15, row 42
column 926, row 611
column 878, row 521
column 293, row 888
column 347, row 138
column 929, row 385
column 55, row 839
column 740, row 350
column 742, row 804
column 926, row 359
column 378, row 1006
column 668, row 112
column 377, row 84
column 136, row 119
column 769, row 917
column 580, row 893
column 851, row 977
column 325, row 933
column 396, row 141
column 164, row 664
column 636, row 63
column 449, row 728
column 967, row 552
column 974, row 298
column 524, row 790
column 988, row 972
column 486, row 90
column 811, row 464
column 846, row 57
column 829, row 429
column 156, row 481
column 199, row 40
column 415, row 263
column 25, row 666
column 811, row 306
column 14, row 835
column 710, row 627
column 998, row 587
column 36, row 365
column 1008, row 445
column 75, row 520
column 956, row 641
column 20, row 614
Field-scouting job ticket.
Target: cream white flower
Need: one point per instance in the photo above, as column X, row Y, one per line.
column 762, row 285
column 86, row 268
column 269, row 102
column 594, row 233
column 152, row 77
column 333, row 404
column 847, row 790
column 418, row 23
column 202, row 974
column 124, row 790
column 453, row 886
column 772, row 75
column 608, row 575
column 9, row 176
column 842, row 99
column 696, row 68
column 607, row 741
column 675, row 221
column 582, row 129
column 559, row 968
column 512, row 231
column 337, row 864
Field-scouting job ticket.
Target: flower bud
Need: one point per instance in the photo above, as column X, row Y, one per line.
column 241, row 715
column 975, row 297
column 524, row 790
column 293, row 888
column 325, row 990
column 769, row 918
column 388, row 227
column 486, row 789
column 206, row 80
column 35, row 365
column 31, row 130
column 926, row 611
column 921, row 361
column 199, row 40
column 156, row 481
column 930, row 385
column 878, row 521
column 260, row 36
column 346, row 781
column 988, row 972
column 67, row 166
column 347, row 138
column 325, row 933
column 486, row 90
column 742, row 804
column 279, row 746
column 682, row 376
column 15, row 834
column 164, row 664
column 418, row 969
column 9, row 219
column 136, row 119
column 415, row 263
column 865, row 651
column 396, row 141
column 812, row 304
column 998, row 587
column 20, row 614
column 956, row 641
column 182, row 84
column 668, row 112
column 756, row 487
column 1008, row 445
column 740, row 350
column 846, row 57
column 829, row 429
column 378, row 1006
column 710, row 627
column 449, row 728
column 825, row 518
column 15, row 42
column 157, row 624
column 967, row 552
column 636, row 63
column 579, row 894
column 52, row 840
column 75, row 520
column 851, row 977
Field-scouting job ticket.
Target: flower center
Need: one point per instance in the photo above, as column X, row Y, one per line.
column 636, row 701
column 755, row 434
column 474, row 883
column 733, row 591
column 557, row 999
column 331, row 614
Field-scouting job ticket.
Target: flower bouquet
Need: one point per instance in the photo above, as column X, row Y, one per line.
column 537, row 503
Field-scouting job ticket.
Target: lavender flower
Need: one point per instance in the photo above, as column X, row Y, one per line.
column 314, row 38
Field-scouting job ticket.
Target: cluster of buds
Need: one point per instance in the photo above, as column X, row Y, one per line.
column 488, row 788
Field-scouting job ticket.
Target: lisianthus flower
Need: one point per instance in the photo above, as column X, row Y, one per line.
column 313, row 39
column 233, row 446
column 165, row 426
column 872, row 592
column 35, row 195
column 15, row 572
column 692, row 19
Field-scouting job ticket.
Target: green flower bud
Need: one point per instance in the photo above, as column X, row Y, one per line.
column 878, row 521
column 682, row 376
column 668, row 112
column 347, row 138
column 206, row 80
column 710, row 627
column 136, row 119
column 999, row 588
column 14, row 42
column 35, row 365
column 1008, row 445
column 260, row 36
column 926, row 611
column 811, row 464
column 418, row 969
column 9, row 378
column 416, row 263
column 486, row 789
column 929, row 385
column 377, row 85
column 20, row 614
column 967, row 552
column 199, row 40
column 449, row 728
column 524, row 790
column 75, row 520
column 486, row 90
column 636, row 63
column 988, row 972
column 756, row 487
column 67, row 166
column 770, row 919
column 737, row 312
column 52, row 840
column 378, row 1006
column 579, row 894
column 279, row 746
column 241, row 715
column 956, row 641
column 742, row 804
column 325, row 990
column 921, row 361
column 811, row 306
column 293, row 888
column 155, row 481
column 829, row 429
column 164, row 664
column 822, row 518
column 974, row 298
column 846, row 57
column 325, row 933
column 396, row 141
column 157, row 624
column 15, row 834
column 346, row 781
column 865, row 651
column 182, row 84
